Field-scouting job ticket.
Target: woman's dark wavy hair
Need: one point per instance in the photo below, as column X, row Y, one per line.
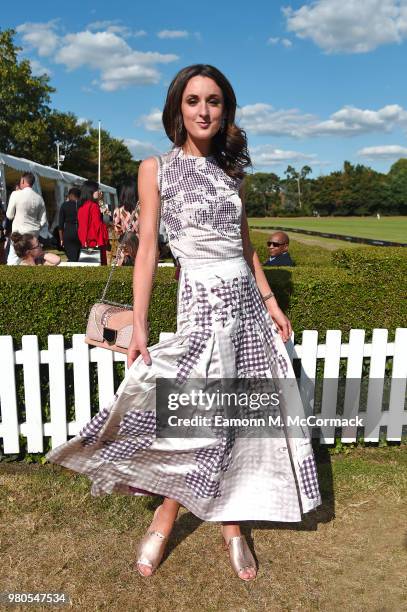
column 128, row 194
column 229, row 145
column 22, row 243
column 88, row 188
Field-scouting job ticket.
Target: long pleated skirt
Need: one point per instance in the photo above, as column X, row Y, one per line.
column 224, row 332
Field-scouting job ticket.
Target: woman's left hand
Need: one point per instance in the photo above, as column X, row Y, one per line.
column 282, row 322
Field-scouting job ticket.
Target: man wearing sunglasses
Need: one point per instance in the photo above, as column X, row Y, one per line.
column 278, row 250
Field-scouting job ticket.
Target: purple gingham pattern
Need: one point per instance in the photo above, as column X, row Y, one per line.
column 202, row 485
column 138, row 423
column 197, row 344
column 116, row 450
column 229, row 293
column 90, row 431
column 309, row 477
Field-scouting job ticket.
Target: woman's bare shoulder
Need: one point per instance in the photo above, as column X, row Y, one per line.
column 148, row 165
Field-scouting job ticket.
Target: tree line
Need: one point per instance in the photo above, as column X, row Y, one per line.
column 354, row 190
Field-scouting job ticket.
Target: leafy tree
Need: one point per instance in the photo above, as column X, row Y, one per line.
column 73, row 139
column 262, row 194
column 24, row 103
column 116, row 160
column 397, row 181
column 297, row 189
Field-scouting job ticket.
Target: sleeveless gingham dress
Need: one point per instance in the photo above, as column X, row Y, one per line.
column 223, row 331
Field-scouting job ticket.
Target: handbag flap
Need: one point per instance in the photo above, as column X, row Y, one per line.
column 117, row 319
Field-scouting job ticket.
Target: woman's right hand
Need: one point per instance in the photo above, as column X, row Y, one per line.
column 138, row 345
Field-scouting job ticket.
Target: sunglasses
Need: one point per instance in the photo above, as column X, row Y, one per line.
column 275, row 244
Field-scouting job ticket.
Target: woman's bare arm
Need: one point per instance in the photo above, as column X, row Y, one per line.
column 51, row 259
column 253, row 261
column 146, row 258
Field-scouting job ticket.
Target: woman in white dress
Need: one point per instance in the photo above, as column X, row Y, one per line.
column 229, row 326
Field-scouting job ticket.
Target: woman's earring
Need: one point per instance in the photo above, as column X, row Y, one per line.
column 222, row 125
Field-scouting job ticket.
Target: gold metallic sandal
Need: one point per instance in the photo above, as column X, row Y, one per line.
column 151, row 550
column 240, row 556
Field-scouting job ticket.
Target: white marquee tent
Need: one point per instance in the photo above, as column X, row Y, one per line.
column 51, row 183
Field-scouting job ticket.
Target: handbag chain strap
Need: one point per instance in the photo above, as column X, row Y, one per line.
column 120, row 248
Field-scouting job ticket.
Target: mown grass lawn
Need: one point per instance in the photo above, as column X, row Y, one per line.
column 387, row 228
column 349, row 554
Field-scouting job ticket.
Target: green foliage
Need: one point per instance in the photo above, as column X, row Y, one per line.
column 262, row 194
column 389, row 261
column 24, row 102
column 30, row 128
column 398, row 186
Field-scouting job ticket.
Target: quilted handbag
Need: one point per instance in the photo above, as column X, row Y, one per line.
column 110, row 324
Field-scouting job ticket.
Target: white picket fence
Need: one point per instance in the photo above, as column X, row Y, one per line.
column 80, row 355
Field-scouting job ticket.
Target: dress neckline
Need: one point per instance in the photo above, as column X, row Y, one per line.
column 189, row 156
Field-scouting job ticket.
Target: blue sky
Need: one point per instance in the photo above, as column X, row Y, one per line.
column 316, row 82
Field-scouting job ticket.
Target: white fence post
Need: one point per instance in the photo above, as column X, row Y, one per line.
column 373, row 415
column 32, row 428
column 330, row 383
column 353, row 378
column 81, row 376
column 58, row 429
column 8, row 397
column 309, row 348
column 397, row 414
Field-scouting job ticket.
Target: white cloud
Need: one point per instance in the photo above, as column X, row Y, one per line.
column 275, row 40
column 346, row 26
column 151, row 122
column 383, row 152
column 350, row 120
column 115, row 26
column 40, row 36
column 173, row 34
column 38, row 69
column 140, row 149
column 262, row 118
column 267, row 155
column 120, row 65
column 102, row 24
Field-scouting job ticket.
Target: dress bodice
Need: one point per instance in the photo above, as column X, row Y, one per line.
column 201, row 207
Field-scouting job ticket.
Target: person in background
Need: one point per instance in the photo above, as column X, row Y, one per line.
column 128, row 249
column 278, row 249
column 30, row 253
column 26, row 209
column 127, row 204
column 68, row 225
column 92, row 232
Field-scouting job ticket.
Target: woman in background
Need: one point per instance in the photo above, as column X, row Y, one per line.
column 122, row 214
column 68, row 225
column 92, row 232
column 128, row 249
column 30, row 251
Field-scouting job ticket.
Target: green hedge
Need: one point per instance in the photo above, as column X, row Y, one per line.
column 45, row 300
column 373, row 260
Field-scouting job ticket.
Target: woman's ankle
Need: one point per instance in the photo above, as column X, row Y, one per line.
column 164, row 519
